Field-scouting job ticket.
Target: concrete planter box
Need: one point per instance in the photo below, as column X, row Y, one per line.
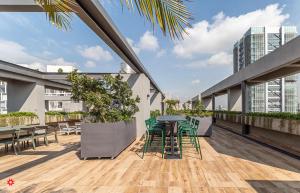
column 205, row 126
column 12, row 121
column 54, row 118
column 106, row 139
column 275, row 124
column 235, row 118
column 75, row 117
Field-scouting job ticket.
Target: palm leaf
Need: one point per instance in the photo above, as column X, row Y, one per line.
column 58, row 12
column 172, row 16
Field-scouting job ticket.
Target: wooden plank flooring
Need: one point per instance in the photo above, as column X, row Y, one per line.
column 230, row 164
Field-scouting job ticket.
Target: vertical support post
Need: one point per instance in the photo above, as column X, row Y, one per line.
column 282, row 95
column 213, row 98
column 244, row 88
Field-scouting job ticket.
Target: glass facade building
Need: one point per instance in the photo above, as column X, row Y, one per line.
column 275, row 96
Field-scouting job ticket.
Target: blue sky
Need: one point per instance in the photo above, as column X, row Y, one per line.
column 181, row 68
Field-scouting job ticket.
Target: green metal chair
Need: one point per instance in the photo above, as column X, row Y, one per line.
column 154, row 129
column 7, row 137
column 25, row 134
column 191, row 131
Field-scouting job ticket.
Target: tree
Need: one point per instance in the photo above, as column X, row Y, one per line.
column 108, row 100
column 171, row 16
column 198, row 108
column 60, row 70
column 171, row 106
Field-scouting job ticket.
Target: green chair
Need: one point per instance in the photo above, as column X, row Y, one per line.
column 7, row 137
column 25, row 134
column 154, row 129
column 191, row 131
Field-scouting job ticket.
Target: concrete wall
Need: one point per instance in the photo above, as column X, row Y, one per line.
column 140, row 86
column 26, row 96
column 207, row 102
column 30, row 97
column 156, row 101
column 234, row 99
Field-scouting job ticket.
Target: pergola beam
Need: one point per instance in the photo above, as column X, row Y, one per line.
column 95, row 17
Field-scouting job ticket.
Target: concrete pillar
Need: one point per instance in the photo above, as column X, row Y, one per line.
column 140, row 86
column 234, row 99
column 155, row 101
column 26, row 97
column 213, row 102
column 282, row 95
column 245, row 108
column 207, row 102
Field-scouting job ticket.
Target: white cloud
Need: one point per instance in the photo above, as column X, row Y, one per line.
column 197, row 81
column 220, row 59
column 220, row 35
column 90, row 64
column 17, row 54
column 160, row 53
column 216, row 60
column 95, row 53
column 148, row 42
column 61, row 62
column 135, row 48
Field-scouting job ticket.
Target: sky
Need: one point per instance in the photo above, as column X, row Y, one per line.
column 181, row 68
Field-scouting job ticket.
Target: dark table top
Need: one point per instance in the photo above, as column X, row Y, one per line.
column 171, row 118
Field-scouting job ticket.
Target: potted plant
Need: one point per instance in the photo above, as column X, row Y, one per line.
column 109, row 124
column 205, row 119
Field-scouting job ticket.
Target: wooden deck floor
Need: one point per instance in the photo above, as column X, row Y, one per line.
column 230, row 164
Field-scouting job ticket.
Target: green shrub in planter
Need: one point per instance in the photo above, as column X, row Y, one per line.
column 18, row 118
column 109, row 99
column 155, row 113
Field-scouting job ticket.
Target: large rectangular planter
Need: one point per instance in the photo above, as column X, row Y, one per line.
column 106, row 139
column 280, row 125
column 24, row 120
column 205, row 126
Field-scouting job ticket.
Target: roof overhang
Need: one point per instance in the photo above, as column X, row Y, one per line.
column 93, row 15
column 283, row 61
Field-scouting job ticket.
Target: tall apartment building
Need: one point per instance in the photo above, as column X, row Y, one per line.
column 277, row 95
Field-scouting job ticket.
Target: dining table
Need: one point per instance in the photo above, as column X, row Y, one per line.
column 172, row 120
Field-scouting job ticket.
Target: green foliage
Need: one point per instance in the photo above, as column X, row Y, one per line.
column 108, row 100
column 198, row 108
column 229, row 112
column 155, row 113
column 60, row 70
column 18, row 114
column 64, row 113
column 171, row 106
column 278, row 115
column 55, row 113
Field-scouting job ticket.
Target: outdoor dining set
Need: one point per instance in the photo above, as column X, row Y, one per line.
column 21, row 135
column 163, row 129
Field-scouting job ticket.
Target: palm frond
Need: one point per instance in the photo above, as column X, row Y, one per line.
column 172, row 16
column 58, row 12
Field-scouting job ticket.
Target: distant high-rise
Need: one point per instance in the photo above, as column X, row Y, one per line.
column 277, row 95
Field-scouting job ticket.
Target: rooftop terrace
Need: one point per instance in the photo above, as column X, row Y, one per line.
column 230, row 164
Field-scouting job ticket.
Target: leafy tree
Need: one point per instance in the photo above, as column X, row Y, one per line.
column 155, row 113
column 108, row 100
column 171, row 106
column 171, row 16
column 60, row 70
